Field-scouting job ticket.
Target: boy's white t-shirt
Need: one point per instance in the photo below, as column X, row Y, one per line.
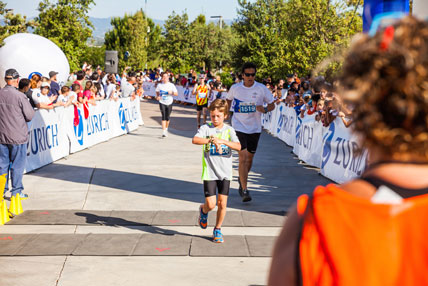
column 217, row 165
column 65, row 99
column 163, row 89
column 244, row 99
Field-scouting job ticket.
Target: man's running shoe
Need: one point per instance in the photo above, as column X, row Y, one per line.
column 245, row 194
column 203, row 218
column 164, row 133
column 23, row 196
column 217, row 236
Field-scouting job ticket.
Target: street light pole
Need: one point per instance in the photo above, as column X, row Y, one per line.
column 221, row 27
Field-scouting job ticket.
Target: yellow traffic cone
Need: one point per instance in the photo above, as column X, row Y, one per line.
column 14, row 205
column 2, row 184
column 19, row 204
column 4, row 215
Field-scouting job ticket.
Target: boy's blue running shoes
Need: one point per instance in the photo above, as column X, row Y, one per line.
column 203, row 218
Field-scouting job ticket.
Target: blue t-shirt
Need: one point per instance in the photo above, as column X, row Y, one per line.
column 54, row 88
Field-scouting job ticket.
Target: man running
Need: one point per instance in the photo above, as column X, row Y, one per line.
column 202, row 91
column 248, row 99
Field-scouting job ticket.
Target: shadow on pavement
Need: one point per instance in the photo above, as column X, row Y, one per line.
column 271, row 198
column 115, row 221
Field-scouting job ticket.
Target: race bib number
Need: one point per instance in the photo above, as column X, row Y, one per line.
column 223, row 150
column 202, row 95
column 164, row 94
column 247, row 107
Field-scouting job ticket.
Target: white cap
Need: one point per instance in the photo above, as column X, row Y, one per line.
column 46, row 84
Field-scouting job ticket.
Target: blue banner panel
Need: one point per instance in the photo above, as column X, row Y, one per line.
column 372, row 8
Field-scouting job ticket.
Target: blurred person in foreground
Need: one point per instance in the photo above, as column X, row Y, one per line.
column 15, row 112
column 371, row 230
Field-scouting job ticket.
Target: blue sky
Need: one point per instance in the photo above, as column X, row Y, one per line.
column 157, row 9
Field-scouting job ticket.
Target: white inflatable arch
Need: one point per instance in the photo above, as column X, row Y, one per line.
column 28, row 53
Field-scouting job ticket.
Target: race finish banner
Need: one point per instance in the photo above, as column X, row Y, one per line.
column 48, row 140
column 374, row 8
column 310, row 133
column 332, row 149
column 106, row 120
column 339, row 159
column 53, row 134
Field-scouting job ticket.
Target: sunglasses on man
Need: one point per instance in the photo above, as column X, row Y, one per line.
column 250, row 74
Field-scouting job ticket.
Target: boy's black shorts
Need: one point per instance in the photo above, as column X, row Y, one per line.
column 211, row 186
column 248, row 141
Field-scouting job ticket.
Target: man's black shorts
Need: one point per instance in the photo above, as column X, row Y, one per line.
column 211, row 186
column 249, row 141
column 200, row 107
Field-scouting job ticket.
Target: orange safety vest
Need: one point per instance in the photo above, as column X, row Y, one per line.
column 203, row 90
column 348, row 240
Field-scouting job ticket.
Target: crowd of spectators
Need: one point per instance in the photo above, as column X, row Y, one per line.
column 86, row 86
column 311, row 97
column 306, row 95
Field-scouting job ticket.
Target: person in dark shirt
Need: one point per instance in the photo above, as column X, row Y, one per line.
column 54, row 84
column 24, row 87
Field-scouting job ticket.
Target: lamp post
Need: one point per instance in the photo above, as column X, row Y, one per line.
column 221, row 27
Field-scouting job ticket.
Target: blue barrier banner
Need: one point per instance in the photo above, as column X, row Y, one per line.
column 53, row 134
column 373, row 8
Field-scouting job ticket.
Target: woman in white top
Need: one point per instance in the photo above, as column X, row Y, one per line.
column 164, row 93
column 111, row 86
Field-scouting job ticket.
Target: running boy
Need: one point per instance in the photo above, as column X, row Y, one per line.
column 219, row 140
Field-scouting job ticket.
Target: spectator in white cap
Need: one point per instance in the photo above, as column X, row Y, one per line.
column 15, row 112
column 41, row 98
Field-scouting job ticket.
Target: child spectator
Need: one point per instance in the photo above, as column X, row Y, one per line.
column 219, row 140
column 66, row 98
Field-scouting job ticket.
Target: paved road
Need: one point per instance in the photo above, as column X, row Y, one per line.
column 124, row 213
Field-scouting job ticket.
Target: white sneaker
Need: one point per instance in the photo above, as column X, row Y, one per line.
column 165, row 133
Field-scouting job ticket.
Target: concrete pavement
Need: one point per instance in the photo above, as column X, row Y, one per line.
column 141, row 173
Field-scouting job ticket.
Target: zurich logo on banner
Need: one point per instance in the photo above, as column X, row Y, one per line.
column 186, row 94
column 299, row 124
column 78, row 130
column 122, row 118
column 326, row 140
column 280, row 120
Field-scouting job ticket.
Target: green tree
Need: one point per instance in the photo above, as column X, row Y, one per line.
column 67, row 24
column 210, row 44
column 154, row 43
column 175, row 51
column 130, row 35
column 292, row 36
column 12, row 23
column 95, row 56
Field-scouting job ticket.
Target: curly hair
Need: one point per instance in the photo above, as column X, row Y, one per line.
column 387, row 82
